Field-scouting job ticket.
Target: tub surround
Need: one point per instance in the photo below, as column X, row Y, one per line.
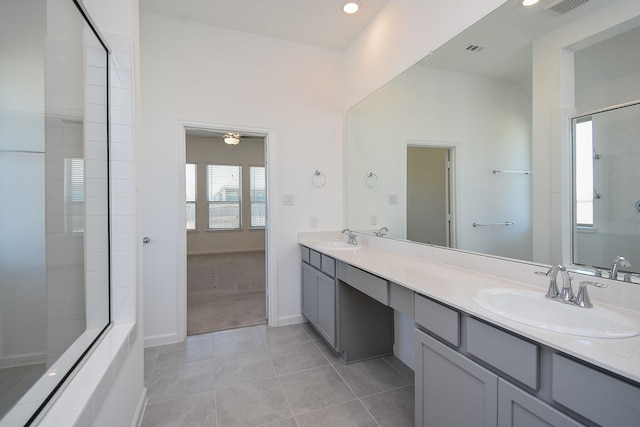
column 452, row 277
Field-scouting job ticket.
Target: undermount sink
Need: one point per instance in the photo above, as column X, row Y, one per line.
column 337, row 244
column 533, row 309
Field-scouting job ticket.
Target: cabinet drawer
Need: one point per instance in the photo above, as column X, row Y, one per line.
column 508, row 353
column 315, row 259
column 328, row 266
column 438, row 319
column 595, row 395
column 374, row 286
column 401, row 299
column 304, row 253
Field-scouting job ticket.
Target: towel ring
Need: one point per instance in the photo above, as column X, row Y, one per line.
column 371, row 180
column 318, row 179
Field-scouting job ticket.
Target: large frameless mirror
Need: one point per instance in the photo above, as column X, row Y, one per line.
column 474, row 115
column 54, row 187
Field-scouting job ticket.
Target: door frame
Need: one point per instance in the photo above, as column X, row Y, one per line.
column 452, row 178
column 271, row 285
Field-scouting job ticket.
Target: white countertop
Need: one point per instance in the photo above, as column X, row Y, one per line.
column 455, row 287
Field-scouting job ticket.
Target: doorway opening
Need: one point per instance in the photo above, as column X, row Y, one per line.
column 226, row 230
column 429, row 194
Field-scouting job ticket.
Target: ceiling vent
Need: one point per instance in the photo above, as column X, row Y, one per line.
column 560, row 7
column 474, row 48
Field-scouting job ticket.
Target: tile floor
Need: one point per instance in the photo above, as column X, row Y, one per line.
column 277, row 377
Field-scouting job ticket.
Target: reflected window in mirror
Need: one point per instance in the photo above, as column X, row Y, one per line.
column 584, row 153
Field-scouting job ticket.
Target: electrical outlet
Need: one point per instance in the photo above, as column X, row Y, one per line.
column 393, row 199
column 374, row 220
column 313, row 222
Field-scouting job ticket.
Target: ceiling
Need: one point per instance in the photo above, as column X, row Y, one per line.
column 315, row 22
column 506, row 36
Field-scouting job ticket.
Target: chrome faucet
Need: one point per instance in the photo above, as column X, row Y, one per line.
column 565, row 294
column 351, row 238
column 382, row 232
column 615, row 266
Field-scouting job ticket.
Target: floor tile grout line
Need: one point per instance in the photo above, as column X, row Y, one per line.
column 412, row 380
column 333, row 405
column 302, row 370
column 356, row 395
column 284, row 393
column 180, row 397
column 385, row 391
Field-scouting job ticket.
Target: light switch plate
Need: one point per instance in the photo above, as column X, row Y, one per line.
column 287, row 199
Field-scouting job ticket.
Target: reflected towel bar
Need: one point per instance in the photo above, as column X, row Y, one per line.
column 475, row 224
column 495, row 171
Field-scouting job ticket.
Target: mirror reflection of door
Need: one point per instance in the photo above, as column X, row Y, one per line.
column 428, row 186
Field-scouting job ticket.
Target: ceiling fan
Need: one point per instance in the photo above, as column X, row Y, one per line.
column 233, row 138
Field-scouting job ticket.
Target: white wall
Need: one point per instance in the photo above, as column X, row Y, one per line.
column 403, row 33
column 198, row 73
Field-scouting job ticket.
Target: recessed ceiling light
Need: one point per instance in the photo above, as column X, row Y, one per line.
column 529, row 2
column 351, row 6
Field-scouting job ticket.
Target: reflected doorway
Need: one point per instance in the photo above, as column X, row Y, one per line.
column 226, row 202
column 429, row 218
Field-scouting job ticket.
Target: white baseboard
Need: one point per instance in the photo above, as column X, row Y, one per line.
column 226, row 252
column 291, row 320
column 157, row 340
column 142, row 405
column 173, row 338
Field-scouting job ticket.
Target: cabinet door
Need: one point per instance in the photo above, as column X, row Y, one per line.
column 309, row 293
column 519, row 409
column 326, row 322
column 451, row 390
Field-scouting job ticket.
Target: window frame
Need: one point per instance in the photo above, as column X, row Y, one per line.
column 252, row 202
column 195, row 197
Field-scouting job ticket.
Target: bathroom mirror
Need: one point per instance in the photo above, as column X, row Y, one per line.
column 606, row 178
column 475, row 97
column 54, row 183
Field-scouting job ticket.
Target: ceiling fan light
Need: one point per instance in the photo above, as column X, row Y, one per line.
column 351, row 6
column 232, row 138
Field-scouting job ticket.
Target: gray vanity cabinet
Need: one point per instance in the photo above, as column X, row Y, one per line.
column 310, row 293
column 348, row 307
column 326, row 320
column 467, row 370
column 319, row 294
column 517, row 408
column 451, row 390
